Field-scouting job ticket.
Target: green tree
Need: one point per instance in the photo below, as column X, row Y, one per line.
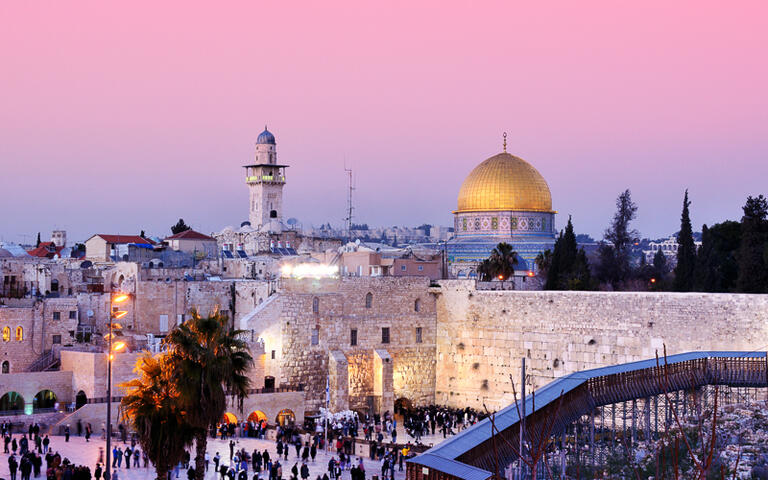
column 180, row 227
column 686, row 252
column 614, row 254
column 210, row 361
column 38, row 240
column 152, row 407
column 568, row 269
column 716, row 266
column 753, row 275
column 501, row 263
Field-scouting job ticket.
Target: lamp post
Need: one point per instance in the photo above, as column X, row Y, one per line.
column 114, row 314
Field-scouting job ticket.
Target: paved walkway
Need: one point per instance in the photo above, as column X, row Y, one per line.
column 80, row 452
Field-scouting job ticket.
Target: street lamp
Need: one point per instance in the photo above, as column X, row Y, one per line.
column 114, row 314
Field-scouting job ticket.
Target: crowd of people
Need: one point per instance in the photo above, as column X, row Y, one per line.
column 421, row 421
column 295, row 448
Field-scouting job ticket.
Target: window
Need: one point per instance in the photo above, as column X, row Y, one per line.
column 179, row 319
column 6, row 334
column 417, row 305
column 72, row 314
column 353, row 337
column 421, row 268
column 273, row 354
column 6, row 367
column 368, row 300
column 315, row 335
column 315, row 305
column 19, row 334
column 57, row 315
column 385, row 335
column 163, row 323
column 57, row 339
column 418, row 335
column 402, row 268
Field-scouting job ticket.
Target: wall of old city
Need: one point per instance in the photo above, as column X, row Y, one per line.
column 29, row 384
column 341, row 307
column 482, row 335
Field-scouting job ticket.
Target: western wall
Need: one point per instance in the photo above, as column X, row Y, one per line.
column 482, row 335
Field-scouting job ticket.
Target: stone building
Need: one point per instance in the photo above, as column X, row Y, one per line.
column 371, row 338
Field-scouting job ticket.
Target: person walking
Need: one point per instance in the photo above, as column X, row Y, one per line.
column 13, row 466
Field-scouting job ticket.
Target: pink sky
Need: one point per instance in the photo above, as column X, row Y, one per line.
column 121, row 118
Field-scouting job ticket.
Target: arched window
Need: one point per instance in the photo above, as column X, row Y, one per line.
column 6, row 367
column 417, row 305
column 315, row 305
column 368, row 300
column 19, row 334
column 6, row 334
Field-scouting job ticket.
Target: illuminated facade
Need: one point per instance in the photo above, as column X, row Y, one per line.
column 504, row 199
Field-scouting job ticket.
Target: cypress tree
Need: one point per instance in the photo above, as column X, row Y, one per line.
column 753, row 277
column 38, row 240
column 568, row 269
column 686, row 251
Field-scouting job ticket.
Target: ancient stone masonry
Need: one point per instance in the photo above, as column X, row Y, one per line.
column 320, row 316
column 482, row 335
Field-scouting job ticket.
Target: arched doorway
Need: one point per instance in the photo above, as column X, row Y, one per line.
column 403, row 405
column 80, row 399
column 229, row 418
column 286, row 417
column 44, row 399
column 11, row 401
column 257, row 416
column 6, row 367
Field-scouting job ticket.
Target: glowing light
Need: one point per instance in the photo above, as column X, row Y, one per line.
column 120, row 298
column 117, row 346
column 501, row 277
column 530, row 274
column 312, row 270
column 653, row 280
column 119, row 314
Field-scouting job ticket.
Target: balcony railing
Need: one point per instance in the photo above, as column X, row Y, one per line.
column 265, row 178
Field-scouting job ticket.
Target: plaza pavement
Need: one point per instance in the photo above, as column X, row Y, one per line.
column 80, row 452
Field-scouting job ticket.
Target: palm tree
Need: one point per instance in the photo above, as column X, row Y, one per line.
column 505, row 259
column 210, row 361
column 501, row 263
column 151, row 405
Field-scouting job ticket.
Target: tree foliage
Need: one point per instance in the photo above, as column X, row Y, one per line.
column 568, row 268
column 716, row 266
column 152, row 405
column 501, row 263
column 753, row 274
column 614, row 266
column 686, row 252
column 210, row 361
column 180, row 227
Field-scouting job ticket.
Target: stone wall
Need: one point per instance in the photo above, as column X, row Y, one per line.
column 482, row 335
column 341, row 307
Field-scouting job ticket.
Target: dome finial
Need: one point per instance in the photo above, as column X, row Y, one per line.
column 505, row 142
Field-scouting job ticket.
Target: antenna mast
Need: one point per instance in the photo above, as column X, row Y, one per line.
column 350, row 208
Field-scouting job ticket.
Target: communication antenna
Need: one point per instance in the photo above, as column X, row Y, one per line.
column 350, row 207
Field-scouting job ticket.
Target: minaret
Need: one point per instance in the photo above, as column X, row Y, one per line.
column 265, row 179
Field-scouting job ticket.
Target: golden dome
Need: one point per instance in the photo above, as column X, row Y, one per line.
column 504, row 182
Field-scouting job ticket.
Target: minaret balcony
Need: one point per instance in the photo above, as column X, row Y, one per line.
column 265, row 178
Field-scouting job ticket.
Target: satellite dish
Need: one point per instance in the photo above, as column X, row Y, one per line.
column 291, row 221
column 86, row 264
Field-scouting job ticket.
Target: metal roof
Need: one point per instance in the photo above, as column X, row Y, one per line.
column 458, row 469
column 442, row 455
